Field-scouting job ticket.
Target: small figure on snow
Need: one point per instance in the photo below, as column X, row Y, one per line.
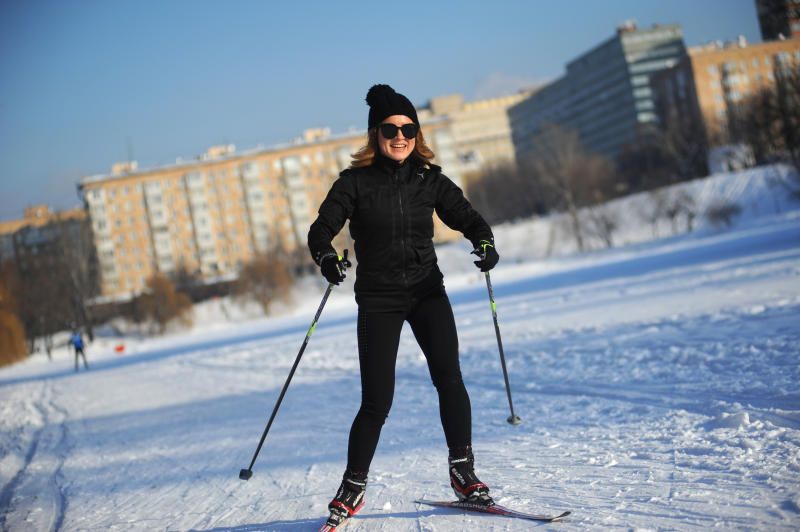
column 76, row 341
column 389, row 194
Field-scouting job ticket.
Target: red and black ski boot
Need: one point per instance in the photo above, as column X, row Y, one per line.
column 465, row 483
column 348, row 501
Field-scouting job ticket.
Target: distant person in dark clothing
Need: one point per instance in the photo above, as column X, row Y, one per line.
column 76, row 340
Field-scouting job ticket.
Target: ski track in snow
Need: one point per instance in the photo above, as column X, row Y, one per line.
column 655, row 395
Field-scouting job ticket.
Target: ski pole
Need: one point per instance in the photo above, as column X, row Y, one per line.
column 245, row 474
column 513, row 418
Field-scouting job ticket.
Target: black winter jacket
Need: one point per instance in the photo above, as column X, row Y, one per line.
column 390, row 208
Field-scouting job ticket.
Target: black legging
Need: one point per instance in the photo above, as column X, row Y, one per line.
column 378, row 339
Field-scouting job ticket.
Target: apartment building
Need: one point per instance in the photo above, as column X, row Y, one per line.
column 481, row 130
column 213, row 214
column 605, row 94
column 705, row 87
column 28, row 241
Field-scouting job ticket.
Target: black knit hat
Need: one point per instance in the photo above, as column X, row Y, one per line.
column 383, row 101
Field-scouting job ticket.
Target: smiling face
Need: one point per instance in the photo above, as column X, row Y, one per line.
column 398, row 148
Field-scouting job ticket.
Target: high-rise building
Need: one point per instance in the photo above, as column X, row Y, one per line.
column 778, row 19
column 605, row 94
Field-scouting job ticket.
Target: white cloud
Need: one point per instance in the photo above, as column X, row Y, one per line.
column 502, row 84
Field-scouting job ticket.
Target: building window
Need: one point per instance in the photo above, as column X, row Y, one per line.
column 646, row 117
column 713, row 70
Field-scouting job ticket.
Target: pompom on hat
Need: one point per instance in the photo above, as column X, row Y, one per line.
column 383, row 101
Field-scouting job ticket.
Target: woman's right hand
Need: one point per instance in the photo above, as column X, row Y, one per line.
column 333, row 267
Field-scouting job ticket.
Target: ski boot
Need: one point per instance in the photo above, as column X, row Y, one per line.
column 348, row 501
column 464, row 482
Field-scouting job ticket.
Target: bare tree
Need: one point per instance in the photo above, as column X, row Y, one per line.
column 74, row 244
column 264, row 279
column 680, row 203
column 161, row 304
column 722, row 214
column 12, row 333
column 505, row 192
column 185, row 279
column 569, row 176
column 768, row 120
column 654, row 210
column 644, row 163
column 603, row 222
column 40, row 286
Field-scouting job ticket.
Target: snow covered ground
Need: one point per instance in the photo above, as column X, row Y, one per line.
column 658, row 384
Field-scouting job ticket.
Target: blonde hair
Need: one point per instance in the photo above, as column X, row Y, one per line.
column 365, row 156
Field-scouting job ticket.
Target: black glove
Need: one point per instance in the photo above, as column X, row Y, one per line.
column 333, row 267
column 487, row 254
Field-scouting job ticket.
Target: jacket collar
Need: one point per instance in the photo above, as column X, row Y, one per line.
column 389, row 165
column 411, row 165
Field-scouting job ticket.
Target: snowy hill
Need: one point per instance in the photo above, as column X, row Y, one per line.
column 657, row 384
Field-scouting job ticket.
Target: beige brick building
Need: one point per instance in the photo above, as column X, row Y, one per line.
column 213, row 214
column 481, row 130
column 709, row 82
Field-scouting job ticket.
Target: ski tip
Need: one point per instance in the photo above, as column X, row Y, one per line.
column 495, row 509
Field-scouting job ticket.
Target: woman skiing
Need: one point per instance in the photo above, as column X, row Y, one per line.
column 389, row 194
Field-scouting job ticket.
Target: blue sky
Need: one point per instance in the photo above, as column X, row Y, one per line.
column 84, row 82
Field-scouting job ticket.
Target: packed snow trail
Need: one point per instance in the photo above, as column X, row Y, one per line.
column 657, row 384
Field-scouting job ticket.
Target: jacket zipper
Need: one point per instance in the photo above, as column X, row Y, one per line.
column 402, row 228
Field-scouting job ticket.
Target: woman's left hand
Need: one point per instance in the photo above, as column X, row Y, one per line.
column 487, row 254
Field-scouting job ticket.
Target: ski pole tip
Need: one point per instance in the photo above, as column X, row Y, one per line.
column 514, row 420
column 245, row 474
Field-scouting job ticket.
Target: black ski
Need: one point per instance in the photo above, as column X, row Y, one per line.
column 494, row 509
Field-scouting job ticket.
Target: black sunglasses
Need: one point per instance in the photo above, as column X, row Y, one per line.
column 389, row 131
